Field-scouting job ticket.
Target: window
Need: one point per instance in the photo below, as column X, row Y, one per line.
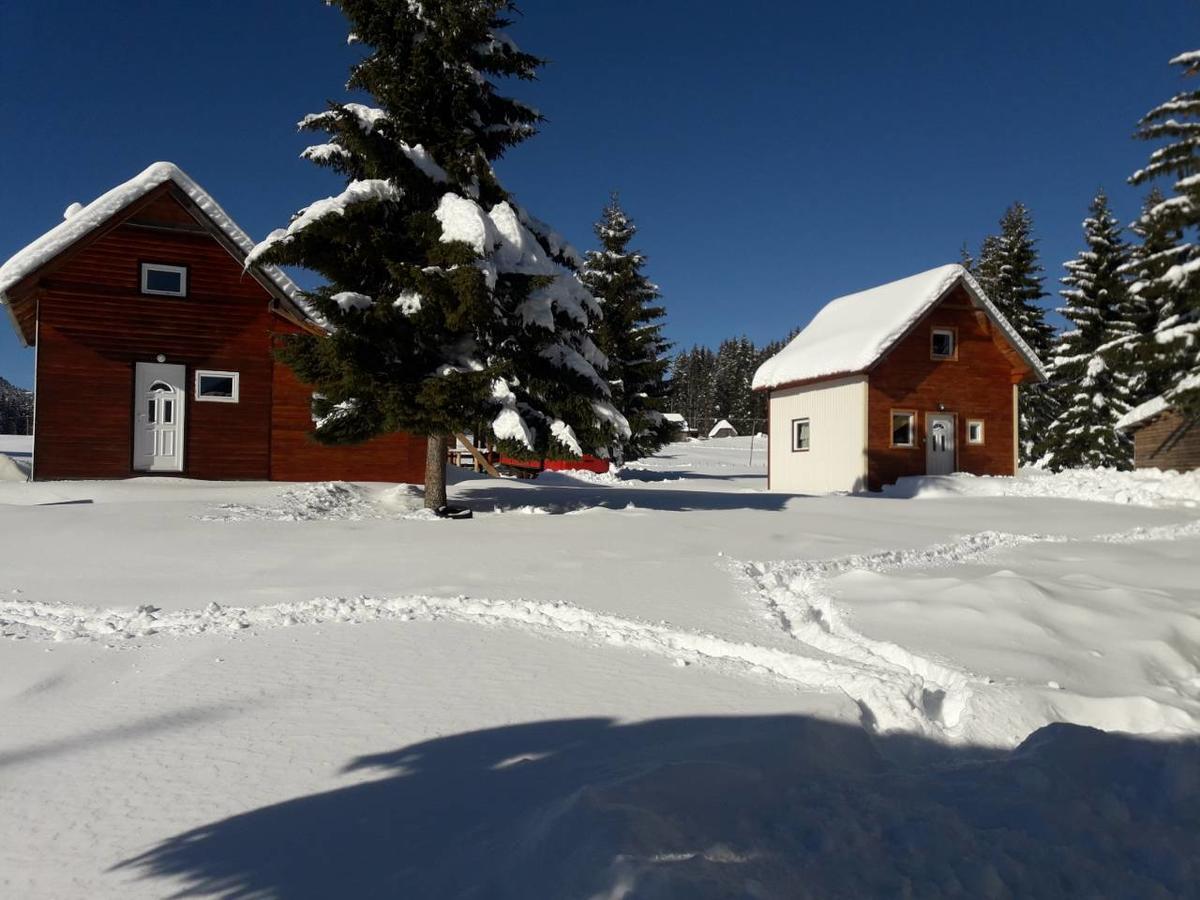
column 217, row 387
column 904, row 429
column 170, row 281
column 944, row 344
column 800, row 435
column 974, row 431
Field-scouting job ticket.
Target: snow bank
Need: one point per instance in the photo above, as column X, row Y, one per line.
column 11, row 470
column 850, row 333
column 1141, row 487
column 330, row 501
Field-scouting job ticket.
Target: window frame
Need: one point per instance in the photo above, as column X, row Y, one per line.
column 181, row 271
column 982, row 432
column 912, row 429
column 216, row 373
column 808, row 421
column 948, row 330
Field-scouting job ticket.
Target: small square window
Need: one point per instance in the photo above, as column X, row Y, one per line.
column 169, row 281
column 942, row 344
column 217, row 387
column 904, row 429
column 800, row 434
column 974, row 431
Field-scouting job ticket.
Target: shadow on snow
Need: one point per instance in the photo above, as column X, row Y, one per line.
column 782, row 806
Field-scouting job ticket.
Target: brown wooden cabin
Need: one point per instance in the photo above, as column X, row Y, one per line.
column 154, row 348
column 915, row 377
column 1163, row 438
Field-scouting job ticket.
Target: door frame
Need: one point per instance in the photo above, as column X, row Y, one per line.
column 953, row 417
column 181, row 406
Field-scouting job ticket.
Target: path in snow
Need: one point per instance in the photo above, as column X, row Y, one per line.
column 894, row 688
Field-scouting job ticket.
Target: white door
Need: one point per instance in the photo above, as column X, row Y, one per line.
column 939, row 444
column 158, row 417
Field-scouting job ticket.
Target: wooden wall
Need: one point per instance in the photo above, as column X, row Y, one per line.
column 1168, row 442
column 94, row 325
column 976, row 385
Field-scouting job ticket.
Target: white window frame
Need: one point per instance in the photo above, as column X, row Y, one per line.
column 214, row 373
column 181, row 271
column 795, row 431
column 970, row 440
column 951, row 333
column 911, row 415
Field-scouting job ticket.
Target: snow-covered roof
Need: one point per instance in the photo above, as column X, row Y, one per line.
column 1156, row 405
column 850, row 334
column 80, row 221
column 675, row 417
column 721, row 426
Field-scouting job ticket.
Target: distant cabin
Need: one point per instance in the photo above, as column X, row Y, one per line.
column 919, row 376
column 154, row 348
column 723, row 430
column 679, row 426
column 1163, row 437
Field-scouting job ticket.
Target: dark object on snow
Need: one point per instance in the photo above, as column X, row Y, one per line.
column 453, row 512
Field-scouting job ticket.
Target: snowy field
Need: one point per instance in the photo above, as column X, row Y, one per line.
column 660, row 683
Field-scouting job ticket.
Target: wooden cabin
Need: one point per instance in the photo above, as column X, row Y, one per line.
column 916, row 377
column 1163, row 437
column 154, row 348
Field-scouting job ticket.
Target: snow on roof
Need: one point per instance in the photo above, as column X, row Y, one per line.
column 1155, row 405
column 851, row 333
column 87, row 219
column 674, row 417
column 720, row 427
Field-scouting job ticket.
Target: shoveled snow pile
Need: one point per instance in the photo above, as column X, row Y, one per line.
column 329, row 501
column 850, row 333
column 11, row 470
column 1141, row 487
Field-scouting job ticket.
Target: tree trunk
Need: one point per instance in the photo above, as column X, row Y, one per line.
column 435, row 471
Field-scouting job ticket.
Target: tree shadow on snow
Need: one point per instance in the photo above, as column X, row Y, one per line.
column 762, row 807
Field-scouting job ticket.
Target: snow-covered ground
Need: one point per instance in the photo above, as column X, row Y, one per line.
column 655, row 683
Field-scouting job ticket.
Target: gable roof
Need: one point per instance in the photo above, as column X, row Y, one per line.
column 1156, row 406
column 852, row 333
column 82, row 221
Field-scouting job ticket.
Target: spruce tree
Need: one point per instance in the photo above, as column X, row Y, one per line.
column 1010, row 274
column 1087, row 374
column 1172, row 295
column 445, row 302
column 630, row 333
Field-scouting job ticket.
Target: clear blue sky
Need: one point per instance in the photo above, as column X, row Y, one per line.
column 774, row 154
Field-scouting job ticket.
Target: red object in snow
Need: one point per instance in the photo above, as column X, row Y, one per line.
column 585, row 462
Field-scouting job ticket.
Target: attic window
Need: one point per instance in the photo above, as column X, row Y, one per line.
column 943, row 344
column 168, row 281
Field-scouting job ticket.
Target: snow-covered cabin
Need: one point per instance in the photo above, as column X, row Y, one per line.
column 723, row 430
column 1163, row 437
column 154, row 347
column 919, row 376
column 679, row 425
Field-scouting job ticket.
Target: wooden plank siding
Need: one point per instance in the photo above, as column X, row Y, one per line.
column 94, row 325
column 1167, row 442
column 975, row 385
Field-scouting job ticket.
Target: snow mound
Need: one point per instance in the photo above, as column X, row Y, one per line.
column 12, row 470
column 330, row 501
column 1142, row 487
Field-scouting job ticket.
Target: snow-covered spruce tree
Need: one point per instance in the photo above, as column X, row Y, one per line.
column 1087, row 374
column 1010, row 274
column 445, row 302
column 1173, row 295
column 630, row 333
column 1152, row 304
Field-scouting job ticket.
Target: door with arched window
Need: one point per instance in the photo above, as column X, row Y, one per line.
column 158, row 417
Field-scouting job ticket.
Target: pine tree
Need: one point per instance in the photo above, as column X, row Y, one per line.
column 1087, row 375
column 630, row 333
column 1169, row 283
column 1157, row 249
column 1010, row 274
column 445, row 302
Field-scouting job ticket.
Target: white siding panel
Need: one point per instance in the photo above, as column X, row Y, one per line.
column 837, row 456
